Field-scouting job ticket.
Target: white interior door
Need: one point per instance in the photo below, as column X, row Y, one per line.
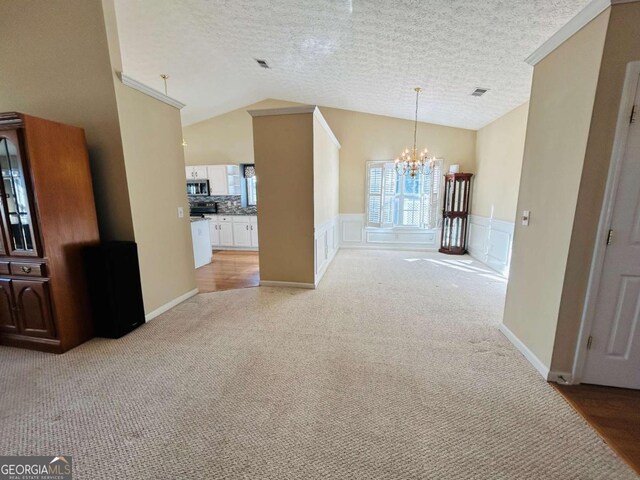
column 613, row 355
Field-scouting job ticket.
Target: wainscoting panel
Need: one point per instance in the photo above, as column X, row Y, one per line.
column 490, row 242
column 354, row 234
column 325, row 246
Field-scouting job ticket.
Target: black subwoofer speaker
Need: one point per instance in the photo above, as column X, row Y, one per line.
column 115, row 290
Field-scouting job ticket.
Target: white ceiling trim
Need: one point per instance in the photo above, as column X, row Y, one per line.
column 147, row 90
column 327, row 128
column 588, row 13
column 266, row 112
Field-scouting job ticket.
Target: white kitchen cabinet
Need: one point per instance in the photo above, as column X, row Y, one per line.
column 214, row 231
column 253, row 227
column 241, row 234
column 217, row 175
column 226, row 234
column 223, row 179
column 233, row 179
column 233, row 231
column 196, row 172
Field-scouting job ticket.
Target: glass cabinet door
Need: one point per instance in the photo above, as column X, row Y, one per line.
column 15, row 200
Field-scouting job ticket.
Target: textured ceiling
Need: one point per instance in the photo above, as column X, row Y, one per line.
column 363, row 55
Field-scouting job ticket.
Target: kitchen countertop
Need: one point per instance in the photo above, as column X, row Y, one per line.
column 227, row 215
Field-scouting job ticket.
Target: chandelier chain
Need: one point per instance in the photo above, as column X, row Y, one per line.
column 415, row 126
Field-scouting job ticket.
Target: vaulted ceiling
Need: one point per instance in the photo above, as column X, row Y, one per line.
column 362, row 55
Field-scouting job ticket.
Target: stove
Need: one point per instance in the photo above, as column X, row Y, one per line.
column 202, row 208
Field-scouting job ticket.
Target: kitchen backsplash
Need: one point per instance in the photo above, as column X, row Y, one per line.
column 227, row 204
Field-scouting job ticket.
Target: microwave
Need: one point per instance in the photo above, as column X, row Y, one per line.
column 197, row 187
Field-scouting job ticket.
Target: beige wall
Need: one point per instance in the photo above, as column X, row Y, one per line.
column 56, row 65
column 622, row 46
column 499, row 152
column 367, row 137
column 64, row 55
column 154, row 162
column 152, row 139
column 227, row 139
column 561, row 105
column 283, row 147
column 326, row 174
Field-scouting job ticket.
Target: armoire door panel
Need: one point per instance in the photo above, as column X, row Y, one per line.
column 7, row 318
column 34, row 308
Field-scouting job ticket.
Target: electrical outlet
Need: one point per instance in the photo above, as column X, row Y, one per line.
column 180, row 212
column 526, row 214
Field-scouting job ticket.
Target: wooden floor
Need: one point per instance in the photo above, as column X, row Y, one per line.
column 613, row 412
column 229, row 270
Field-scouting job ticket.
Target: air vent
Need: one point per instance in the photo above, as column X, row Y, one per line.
column 262, row 63
column 478, row 92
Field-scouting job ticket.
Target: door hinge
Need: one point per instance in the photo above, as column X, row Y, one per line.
column 610, row 237
column 632, row 118
column 589, row 342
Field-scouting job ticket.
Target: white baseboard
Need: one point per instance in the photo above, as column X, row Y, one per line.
column 273, row 283
column 524, row 350
column 490, row 242
column 170, row 305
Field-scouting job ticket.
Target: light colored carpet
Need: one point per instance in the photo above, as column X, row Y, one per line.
column 392, row 369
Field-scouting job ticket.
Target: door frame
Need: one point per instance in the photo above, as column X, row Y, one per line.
column 631, row 82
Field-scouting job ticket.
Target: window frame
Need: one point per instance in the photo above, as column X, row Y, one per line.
column 398, row 197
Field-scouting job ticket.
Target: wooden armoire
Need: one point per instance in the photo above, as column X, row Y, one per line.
column 47, row 217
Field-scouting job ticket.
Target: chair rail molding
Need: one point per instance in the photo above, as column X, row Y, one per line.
column 491, row 241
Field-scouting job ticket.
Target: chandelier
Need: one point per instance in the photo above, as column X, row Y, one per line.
column 410, row 162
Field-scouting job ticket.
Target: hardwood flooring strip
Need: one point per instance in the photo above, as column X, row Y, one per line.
column 229, row 270
column 612, row 412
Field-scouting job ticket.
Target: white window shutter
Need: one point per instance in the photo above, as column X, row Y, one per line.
column 388, row 194
column 374, row 191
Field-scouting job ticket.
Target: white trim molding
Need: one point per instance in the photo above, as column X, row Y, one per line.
column 325, row 246
column 266, row 112
column 606, row 214
column 584, row 16
column 355, row 234
column 273, row 283
column 524, row 350
column 491, row 242
column 147, row 90
column 168, row 306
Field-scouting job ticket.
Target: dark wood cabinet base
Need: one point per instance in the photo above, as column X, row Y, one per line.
column 49, row 345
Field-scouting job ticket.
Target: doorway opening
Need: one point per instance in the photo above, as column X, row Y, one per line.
column 224, row 226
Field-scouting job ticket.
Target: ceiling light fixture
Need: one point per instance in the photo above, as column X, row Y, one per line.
column 410, row 162
column 164, row 78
